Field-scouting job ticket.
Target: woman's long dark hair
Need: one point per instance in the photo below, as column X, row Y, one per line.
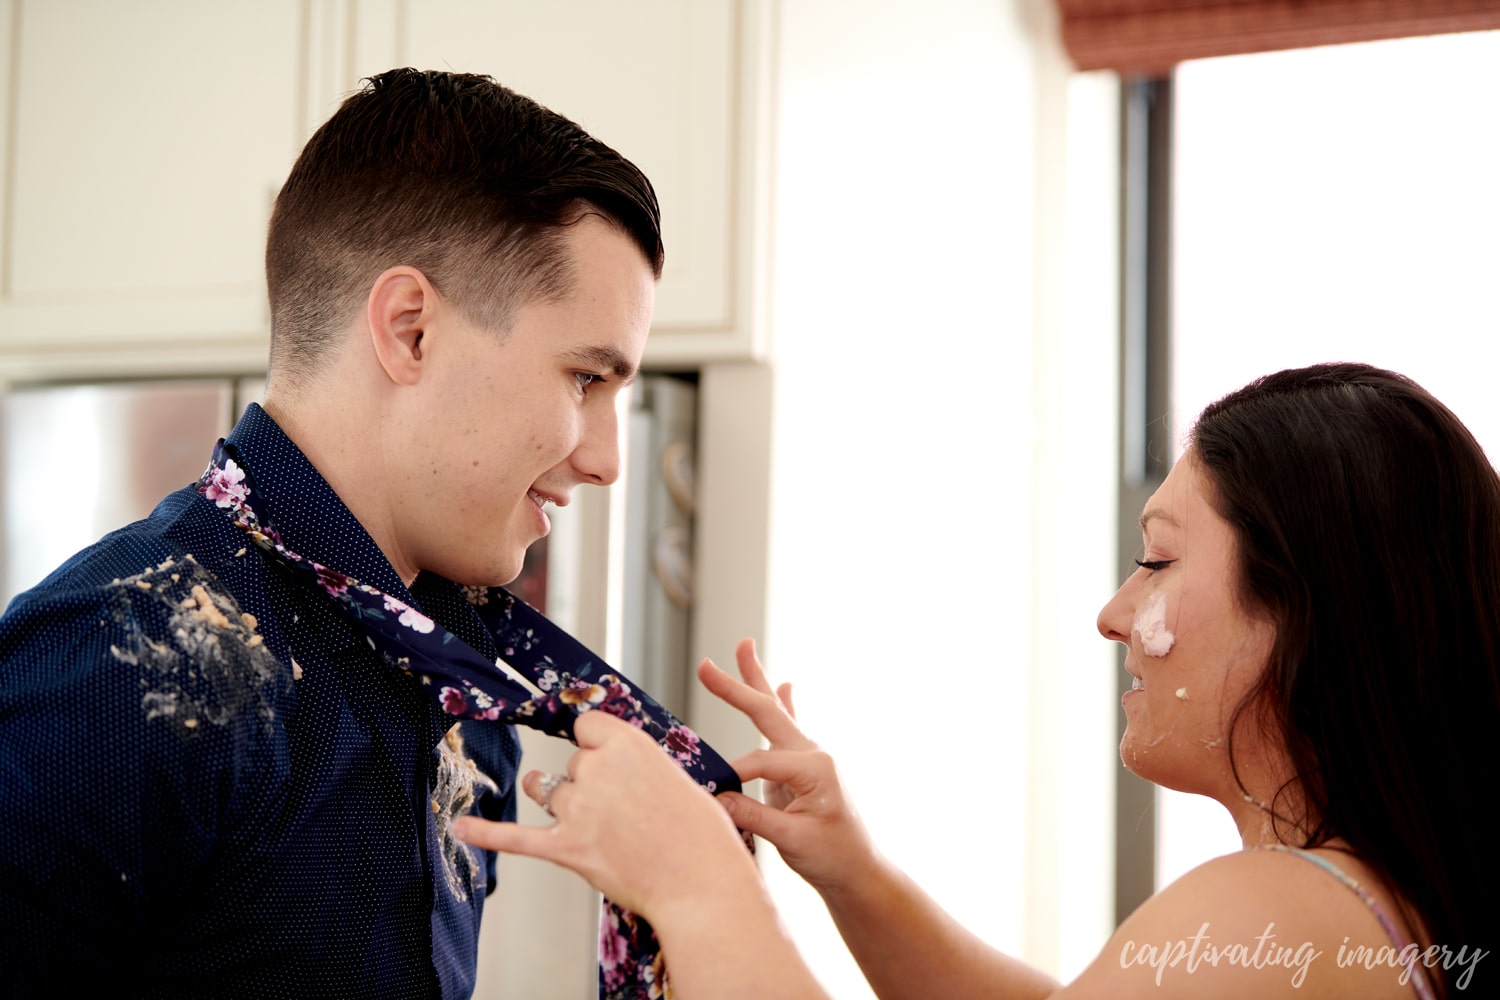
column 1368, row 524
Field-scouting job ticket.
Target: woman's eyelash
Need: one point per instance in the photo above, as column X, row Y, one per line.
column 1154, row 564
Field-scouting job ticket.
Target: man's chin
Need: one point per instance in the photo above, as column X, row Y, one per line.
column 490, row 576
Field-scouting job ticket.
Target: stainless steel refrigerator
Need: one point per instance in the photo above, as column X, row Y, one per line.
column 77, row 461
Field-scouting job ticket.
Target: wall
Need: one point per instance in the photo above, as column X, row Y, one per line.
column 941, row 456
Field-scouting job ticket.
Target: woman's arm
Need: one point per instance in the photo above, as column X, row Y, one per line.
column 641, row 831
column 645, row 834
column 1257, row 924
column 904, row 942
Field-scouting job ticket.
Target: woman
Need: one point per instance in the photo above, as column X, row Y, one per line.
column 1314, row 641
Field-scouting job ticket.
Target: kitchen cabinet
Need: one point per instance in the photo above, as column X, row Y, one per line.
column 145, row 143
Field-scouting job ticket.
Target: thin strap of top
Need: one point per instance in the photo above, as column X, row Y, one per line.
column 1417, row 974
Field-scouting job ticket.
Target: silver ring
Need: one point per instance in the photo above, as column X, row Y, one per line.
column 546, row 787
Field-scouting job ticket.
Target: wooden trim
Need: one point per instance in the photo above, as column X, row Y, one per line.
column 1149, row 37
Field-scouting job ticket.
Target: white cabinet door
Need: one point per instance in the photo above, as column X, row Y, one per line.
column 145, row 146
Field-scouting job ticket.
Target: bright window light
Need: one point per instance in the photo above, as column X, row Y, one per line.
column 1333, row 204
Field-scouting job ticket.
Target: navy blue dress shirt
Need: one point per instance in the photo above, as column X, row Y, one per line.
column 210, row 785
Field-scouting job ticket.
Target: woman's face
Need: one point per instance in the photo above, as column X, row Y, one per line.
column 1193, row 650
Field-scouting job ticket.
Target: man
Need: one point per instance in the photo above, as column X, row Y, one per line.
column 212, row 782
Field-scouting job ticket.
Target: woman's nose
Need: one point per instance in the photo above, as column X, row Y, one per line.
column 1114, row 617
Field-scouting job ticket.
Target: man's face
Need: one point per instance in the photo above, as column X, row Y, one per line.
column 517, row 421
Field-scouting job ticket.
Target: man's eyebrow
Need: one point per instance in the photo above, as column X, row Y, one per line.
column 607, row 358
column 1157, row 514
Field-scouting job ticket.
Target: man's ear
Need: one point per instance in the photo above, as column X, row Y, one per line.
column 401, row 305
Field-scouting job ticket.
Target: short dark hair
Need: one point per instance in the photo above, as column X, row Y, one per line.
column 450, row 173
column 1367, row 519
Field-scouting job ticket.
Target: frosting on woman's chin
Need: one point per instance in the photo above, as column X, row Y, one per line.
column 1151, row 625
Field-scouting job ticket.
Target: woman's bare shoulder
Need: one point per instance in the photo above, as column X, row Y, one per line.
column 1253, row 924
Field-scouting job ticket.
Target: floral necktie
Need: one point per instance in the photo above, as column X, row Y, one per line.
column 544, row 680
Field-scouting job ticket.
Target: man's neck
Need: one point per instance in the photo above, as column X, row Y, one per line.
column 345, row 445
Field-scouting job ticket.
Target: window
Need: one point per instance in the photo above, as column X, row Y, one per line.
column 1335, row 203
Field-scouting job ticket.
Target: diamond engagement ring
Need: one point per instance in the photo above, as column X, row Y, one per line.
column 545, row 789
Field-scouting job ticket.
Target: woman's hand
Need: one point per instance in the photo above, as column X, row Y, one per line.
column 630, row 821
column 805, row 812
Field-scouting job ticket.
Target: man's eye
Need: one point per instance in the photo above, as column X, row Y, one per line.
column 585, row 379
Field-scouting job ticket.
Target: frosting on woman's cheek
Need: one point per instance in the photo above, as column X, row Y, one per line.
column 1151, row 625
